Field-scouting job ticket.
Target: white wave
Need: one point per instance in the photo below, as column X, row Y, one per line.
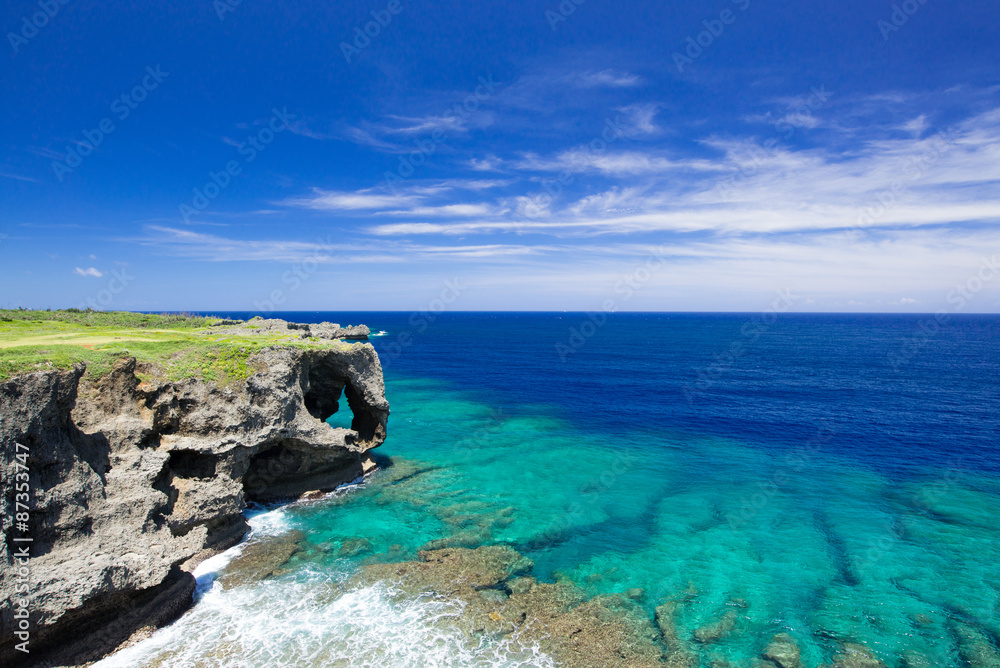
column 312, row 621
column 268, row 521
column 381, row 332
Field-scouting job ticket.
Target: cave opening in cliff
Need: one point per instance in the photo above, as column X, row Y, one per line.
column 325, row 397
column 343, row 417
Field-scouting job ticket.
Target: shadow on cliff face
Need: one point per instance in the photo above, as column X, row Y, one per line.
column 282, row 469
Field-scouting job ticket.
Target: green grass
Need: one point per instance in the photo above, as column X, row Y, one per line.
column 174, row 347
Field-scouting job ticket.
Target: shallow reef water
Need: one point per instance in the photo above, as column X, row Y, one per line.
column 863, row 526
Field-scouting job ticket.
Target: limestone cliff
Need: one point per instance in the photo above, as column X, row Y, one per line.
column 132, row 482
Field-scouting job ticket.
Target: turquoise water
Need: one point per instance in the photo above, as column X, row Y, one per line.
column 799, row 539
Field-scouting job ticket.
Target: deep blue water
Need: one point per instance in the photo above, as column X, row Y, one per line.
column 791, row 379
column 833, row 477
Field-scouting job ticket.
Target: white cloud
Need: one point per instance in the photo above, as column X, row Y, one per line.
column 490, row 163
column 425, row 125
column 329, row 200
column 447, row 211
column 89, row 271
column 215, row 248
column 17, row 177
column 608, row 78
column 621, row 163
column 917, row 126
column 639, row 119
column 798, row 120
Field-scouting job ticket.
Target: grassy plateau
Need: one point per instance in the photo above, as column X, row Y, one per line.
column 173, row 346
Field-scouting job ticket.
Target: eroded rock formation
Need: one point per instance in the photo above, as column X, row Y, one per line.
column 134, row 482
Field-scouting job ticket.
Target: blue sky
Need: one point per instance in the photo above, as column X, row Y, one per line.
column 530, row 155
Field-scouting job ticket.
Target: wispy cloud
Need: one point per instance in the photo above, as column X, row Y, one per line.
column 608, row 78
column 621, row 163
column 639, row 119
column 425, row 125
column 216, row 248
column 89, row 271
column 490, row 163
column 911, row 182
column 446, row 211
column 329, row 200
column 18, row 177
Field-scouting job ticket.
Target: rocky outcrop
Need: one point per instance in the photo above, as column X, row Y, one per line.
column 499, row 598
column 132, row 482
column 323, row 330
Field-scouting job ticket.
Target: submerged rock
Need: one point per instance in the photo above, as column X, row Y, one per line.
column 716, row 630
column 354, row 547
column 975, row 648
column 679, row 654
column 499, row 598
column 783, row 652
column 260, row 559
column 855, row 656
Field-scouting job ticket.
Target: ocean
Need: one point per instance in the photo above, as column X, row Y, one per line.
column 835, row 477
